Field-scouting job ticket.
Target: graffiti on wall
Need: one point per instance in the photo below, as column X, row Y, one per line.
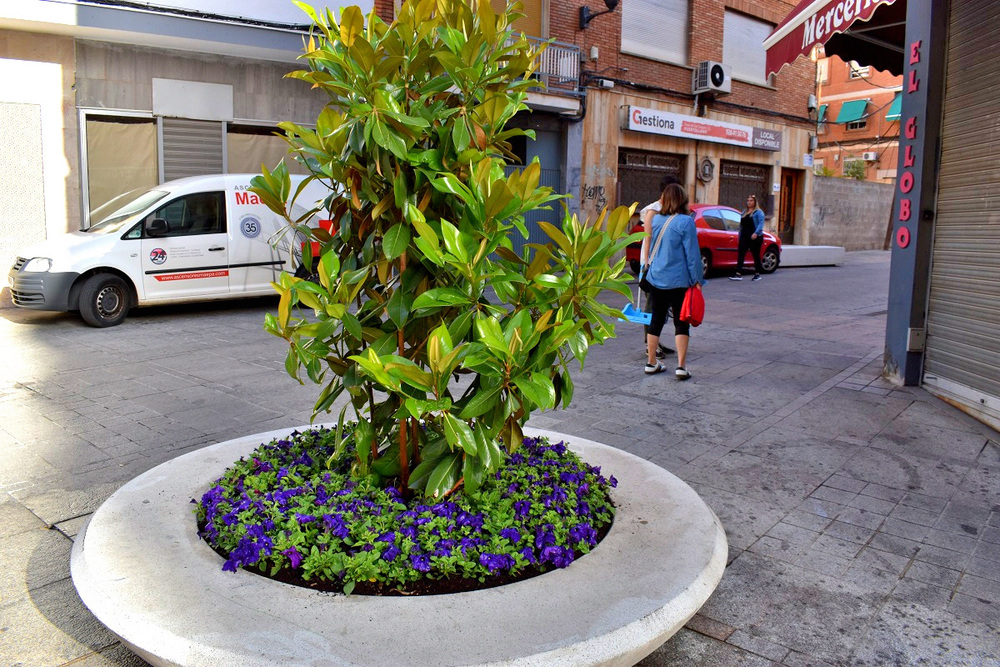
column 594, row 194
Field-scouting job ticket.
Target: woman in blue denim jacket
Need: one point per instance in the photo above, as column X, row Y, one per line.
column 751, row 238
column 675, row 265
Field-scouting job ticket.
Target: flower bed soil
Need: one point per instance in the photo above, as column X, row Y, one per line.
column 282, row 513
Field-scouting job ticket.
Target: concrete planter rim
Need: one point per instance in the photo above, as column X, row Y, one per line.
column 140, row 567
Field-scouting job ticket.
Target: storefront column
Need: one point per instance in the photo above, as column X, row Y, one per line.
column 925, row 56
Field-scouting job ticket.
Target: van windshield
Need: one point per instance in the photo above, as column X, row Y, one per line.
column 111, row 217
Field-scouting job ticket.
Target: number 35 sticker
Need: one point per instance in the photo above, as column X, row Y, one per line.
column 250, row 226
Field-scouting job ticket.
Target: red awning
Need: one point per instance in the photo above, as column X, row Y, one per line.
column 848, row 28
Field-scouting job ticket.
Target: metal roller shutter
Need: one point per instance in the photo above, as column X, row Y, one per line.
column 192, row 148
column 962, row 354
column 738, row 180
column 639, row 175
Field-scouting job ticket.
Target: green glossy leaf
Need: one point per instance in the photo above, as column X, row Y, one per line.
column 480, row 402
column 398, row 307
column 473, row 472
column 396, row 240
column 458, row 433
column 444, row 476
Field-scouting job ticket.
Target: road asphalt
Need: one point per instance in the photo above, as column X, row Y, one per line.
column 863, row 518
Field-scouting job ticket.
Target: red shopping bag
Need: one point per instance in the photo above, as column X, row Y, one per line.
column 693, row 309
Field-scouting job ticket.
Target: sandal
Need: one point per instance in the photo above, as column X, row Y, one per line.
column 653, row 369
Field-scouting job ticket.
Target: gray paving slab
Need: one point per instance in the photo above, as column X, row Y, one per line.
column 862, row 517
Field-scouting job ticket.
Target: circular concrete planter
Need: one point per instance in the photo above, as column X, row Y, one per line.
column 140, row 567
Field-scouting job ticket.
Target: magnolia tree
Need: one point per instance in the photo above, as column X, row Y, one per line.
column 416, row 284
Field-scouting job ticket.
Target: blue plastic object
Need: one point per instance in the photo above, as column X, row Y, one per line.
column 636, row 316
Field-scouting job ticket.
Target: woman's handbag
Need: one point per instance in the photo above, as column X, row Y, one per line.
column 644, row 283
column 693, row 308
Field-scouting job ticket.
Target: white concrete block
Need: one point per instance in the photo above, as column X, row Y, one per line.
column 812, row 255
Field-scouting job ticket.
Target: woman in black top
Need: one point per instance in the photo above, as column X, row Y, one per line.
column 751, row 238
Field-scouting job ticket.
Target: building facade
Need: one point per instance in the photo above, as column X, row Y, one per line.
column 857, row 120
column 743, row 133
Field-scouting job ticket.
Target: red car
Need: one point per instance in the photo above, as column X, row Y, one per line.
column 718, row 237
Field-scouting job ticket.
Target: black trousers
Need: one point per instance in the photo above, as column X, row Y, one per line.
column 753, row 245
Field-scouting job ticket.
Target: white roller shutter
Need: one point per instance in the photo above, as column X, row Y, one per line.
column 962, row 356
column 192, row 148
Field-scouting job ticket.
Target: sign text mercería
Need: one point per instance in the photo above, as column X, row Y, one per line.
column 821, row 24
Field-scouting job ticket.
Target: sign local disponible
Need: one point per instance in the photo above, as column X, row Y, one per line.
column 670, row 124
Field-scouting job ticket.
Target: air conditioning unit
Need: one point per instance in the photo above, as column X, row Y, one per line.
column 711, row 77
column 870, row 156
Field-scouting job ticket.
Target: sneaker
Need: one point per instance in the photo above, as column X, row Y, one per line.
column 736, row 277
column 653, row 369
column 662, row 351
column 756, row 277
column 681, row 373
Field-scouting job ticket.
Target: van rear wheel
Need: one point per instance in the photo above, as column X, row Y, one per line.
column 104, row 300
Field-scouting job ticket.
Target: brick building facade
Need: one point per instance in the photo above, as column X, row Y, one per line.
column 624, row 70
column 858, row 120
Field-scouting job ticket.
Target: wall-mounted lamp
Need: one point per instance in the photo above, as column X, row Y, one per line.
column 586, row 16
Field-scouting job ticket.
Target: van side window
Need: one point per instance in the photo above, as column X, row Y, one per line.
column 200, row 213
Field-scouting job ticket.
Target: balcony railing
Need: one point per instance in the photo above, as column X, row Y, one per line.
column 559, row 68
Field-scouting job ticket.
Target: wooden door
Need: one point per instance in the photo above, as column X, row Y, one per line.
column 787, row 204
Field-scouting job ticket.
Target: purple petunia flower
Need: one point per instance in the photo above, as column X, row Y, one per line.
column 583, row 533
column 335, row 524
column 522, row 508
column 544, row 537
column 421, row 562
column 613, row 482
column 511, row 534
column 529, row 555
column 294, row 557
column 494, row 562
column 303, row 519
column 391, row 553
column 386, row 537
column 558, row 556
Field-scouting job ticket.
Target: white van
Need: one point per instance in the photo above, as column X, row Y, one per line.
column 193, row 239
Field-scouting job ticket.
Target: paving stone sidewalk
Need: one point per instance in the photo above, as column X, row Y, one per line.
column 863, row 519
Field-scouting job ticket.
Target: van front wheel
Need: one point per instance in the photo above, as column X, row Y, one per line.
column 104, row 300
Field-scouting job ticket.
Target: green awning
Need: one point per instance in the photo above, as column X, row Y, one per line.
column 852, row 111
column 822, row 113
column 894, row 108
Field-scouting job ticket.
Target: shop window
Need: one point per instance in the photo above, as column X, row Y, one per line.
column 656, row 29
column 743, row 46
column 250, row 146
column 121, row 156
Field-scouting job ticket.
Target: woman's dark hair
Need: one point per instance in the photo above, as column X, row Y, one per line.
column 673, row 200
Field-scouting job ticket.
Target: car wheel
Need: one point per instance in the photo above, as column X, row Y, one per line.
column 769, row 260
column 105, row 300
column 634, row 265
column 706, row 262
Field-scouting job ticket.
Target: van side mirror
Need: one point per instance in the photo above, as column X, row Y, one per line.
column 157, row 227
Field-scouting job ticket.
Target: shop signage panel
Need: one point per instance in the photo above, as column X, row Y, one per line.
column 670, row 124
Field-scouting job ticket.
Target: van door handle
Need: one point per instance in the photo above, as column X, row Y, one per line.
column 217, row 248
